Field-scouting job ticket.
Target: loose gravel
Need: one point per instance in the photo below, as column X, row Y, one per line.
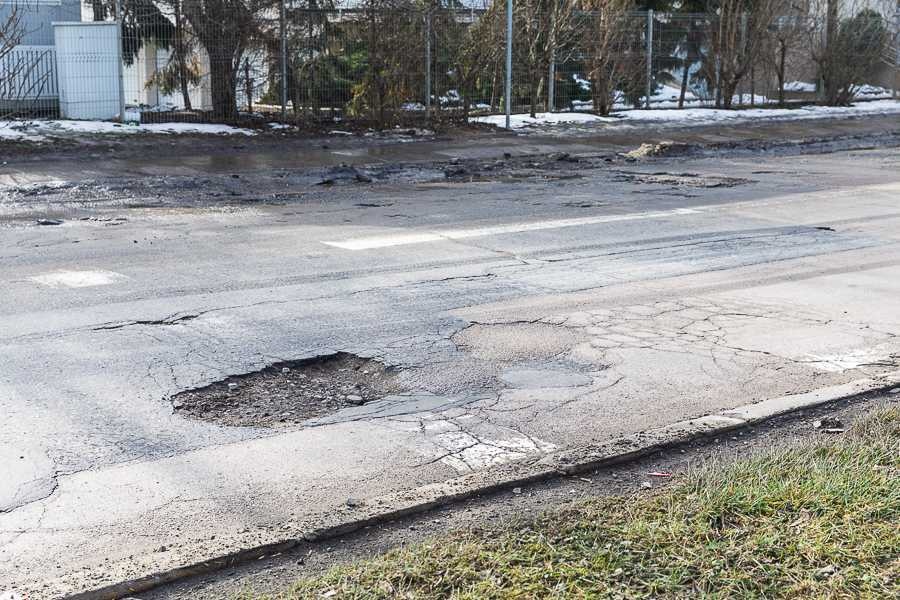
column 287, row 394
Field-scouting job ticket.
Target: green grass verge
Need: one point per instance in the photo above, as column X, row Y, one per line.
column 818, row 521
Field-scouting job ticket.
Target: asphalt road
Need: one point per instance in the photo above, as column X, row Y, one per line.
column 527, row 310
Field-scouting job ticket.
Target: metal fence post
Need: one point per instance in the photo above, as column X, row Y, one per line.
column 896, row 86
column 121, row 59
column 509, row 42
column 649, row 58
column 283, row 27
column 428, row 65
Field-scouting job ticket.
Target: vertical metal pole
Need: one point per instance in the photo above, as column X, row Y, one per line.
column 896, row 93
column 119, row 22
column 741, row 85
column 649, row 58
column 428, row 65
column 509, row 42
column 284, row 78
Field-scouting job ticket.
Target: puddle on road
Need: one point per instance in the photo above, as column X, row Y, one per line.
column 288, row 393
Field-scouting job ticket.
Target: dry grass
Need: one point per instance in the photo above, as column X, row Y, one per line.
column 819, row 521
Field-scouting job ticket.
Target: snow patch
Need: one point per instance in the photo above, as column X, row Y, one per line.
column 695, row 116
column 42, row 130
column 520, row 121
column 800, row 86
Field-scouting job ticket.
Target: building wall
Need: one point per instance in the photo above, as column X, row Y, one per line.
column 37, row 17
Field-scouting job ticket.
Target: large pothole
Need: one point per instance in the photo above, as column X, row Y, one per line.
column 288, row 393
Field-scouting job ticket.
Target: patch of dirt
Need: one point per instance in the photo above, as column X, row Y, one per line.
column 285, row 394
column 680, row 179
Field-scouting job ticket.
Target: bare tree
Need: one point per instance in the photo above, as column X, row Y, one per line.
column 543, row 28
column 851, row 50
column 183, row 68
column 11, row 30
column 612, row 48
column 788, row 32
column 184, row 56
column 24, row 75
column 226, row 29
column 472, row 51
column 738, row 32
column 392, row 35
column 310, row 57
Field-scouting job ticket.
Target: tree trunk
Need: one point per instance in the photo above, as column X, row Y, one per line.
column 600, row 96
column 248, row 86
column 729, row 87
column 222, row 81
column 295, row 93
column 685, row 74
column 495, row 85
column 180, row 49
column 718, row 85
column 535, row 88
column 831, row 30
column 782, row 60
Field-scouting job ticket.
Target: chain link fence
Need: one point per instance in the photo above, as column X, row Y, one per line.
column 388, row 62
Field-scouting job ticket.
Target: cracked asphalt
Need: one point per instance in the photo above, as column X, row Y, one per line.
column 525, row 312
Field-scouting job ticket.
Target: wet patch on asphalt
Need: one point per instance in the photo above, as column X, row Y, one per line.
column 289, row 393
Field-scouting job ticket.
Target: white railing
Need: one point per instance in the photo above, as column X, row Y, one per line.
column 28, row 73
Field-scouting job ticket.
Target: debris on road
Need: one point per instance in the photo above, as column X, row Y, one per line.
column 828, row 424
column 344, row 174
column 661, row 149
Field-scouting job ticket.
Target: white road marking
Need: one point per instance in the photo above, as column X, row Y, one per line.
column 385, row 241
column 78, row 279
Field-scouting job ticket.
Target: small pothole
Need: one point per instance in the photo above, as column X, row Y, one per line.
column 288, row 393
column 516, row 341
column 680, row 179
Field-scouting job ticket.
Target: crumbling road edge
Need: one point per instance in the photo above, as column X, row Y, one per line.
column 569, row 461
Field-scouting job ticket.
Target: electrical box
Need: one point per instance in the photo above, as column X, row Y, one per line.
column 89, row 70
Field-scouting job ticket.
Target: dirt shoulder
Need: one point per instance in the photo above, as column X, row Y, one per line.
column 287, row 148
column 274, row 573
column 229, row 172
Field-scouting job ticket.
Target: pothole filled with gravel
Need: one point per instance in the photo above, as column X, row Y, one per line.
column 288, row 393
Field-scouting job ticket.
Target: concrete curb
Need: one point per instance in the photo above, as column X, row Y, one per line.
column 572, row 460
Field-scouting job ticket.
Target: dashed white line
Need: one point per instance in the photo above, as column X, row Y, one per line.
column 78, row 279
column 385, row 241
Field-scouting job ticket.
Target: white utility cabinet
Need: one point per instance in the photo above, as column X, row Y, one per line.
column 88, row 67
